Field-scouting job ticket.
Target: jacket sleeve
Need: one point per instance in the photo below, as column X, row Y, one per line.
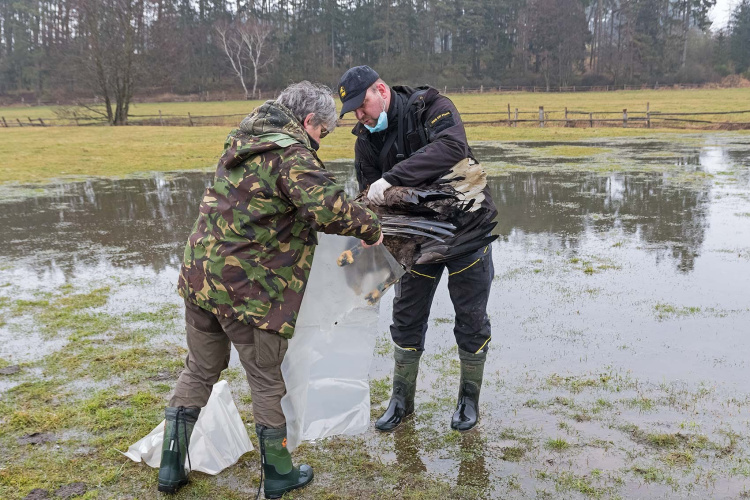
column 447, row 145
column 322, row 202
column 367, row 168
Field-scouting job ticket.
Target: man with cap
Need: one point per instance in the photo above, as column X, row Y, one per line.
column 411, row 137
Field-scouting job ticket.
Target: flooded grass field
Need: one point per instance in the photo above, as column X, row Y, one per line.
column 618, row 366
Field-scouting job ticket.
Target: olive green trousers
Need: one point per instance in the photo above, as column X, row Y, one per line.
column 209, row 341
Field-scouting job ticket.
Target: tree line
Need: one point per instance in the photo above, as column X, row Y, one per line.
column 113, row 48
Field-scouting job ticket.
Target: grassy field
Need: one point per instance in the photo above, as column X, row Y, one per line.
column 665, row 101
column 36, row 154
column 33, row 155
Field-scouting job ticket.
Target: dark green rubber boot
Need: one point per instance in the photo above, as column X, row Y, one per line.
column 281, row 474
column 405, row 373
column 177, row 430
column 467, row 408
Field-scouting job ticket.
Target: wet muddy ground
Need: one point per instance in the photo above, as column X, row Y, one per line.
column 618, row 365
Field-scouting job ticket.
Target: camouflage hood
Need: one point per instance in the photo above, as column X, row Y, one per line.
column 270, row 126
column 249, row 255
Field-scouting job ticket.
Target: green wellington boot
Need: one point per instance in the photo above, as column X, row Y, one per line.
column 177, row 430
column 467, row 408
column 281, row 475
column 405, row 371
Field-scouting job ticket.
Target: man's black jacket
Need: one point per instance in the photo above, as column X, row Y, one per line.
column 442, row 128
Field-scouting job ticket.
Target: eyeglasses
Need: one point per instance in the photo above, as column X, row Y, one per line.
column 323, row 131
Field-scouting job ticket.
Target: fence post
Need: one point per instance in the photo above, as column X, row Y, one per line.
column 40, row 121
column 624, row 118
column 30, row 120
column 5, row 123
column 648, row 115
column 607, row 88
column 19, row 122
column 462, row 89
column 481, row 89
column 190, row 119
column 591, row 120
column 515, row 123
column 509, row 114
column 161, row 120
column 566, row 117
column 541, row 116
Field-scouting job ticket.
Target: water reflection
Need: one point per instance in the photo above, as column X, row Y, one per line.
column 406, row 441
column 145, row 221
column 569, row 205
column 128, row 222
column 472, row 471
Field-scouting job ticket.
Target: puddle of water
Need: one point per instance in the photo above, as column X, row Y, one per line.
column 636, row 274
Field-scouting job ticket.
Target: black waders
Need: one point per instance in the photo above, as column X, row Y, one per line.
column 467, row 408
column 405, row 374
column 177, row 430
column 280, row 474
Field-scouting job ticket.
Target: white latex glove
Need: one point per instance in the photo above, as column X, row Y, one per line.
column 375, row 194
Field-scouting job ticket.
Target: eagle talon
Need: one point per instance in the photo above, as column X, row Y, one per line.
column 345, row 258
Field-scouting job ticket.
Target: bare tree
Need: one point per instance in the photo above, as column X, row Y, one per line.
column 231, row 43
column 110, row 33
column 246, row 44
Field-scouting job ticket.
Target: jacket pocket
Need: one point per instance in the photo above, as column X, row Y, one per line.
column 270, row 348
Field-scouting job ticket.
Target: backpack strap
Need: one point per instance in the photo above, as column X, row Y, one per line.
column 416, row 97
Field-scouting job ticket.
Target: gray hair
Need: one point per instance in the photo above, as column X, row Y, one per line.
column 304, row 98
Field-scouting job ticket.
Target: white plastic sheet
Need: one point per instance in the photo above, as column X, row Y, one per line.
column 328, row 361
column 219, row 438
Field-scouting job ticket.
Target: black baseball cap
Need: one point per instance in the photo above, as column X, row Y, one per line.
column 353, row 87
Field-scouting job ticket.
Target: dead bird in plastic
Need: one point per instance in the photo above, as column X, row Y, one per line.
column 433, row 223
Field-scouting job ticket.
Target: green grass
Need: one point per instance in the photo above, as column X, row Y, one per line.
column 686, row 101
column 557, row 444
column 39, row 154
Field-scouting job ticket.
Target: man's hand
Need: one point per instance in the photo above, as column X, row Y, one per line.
column 380, row 240
column 375, row 193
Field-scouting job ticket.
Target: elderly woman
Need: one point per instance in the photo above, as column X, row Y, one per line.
column 245, row 269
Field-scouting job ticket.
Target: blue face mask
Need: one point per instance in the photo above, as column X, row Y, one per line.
column 382, row 122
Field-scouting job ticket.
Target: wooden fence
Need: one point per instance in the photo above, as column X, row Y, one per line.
column 514, row 117
column 567, row 88
column 165, row 94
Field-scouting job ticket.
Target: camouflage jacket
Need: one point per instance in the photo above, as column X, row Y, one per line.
column 249, row 255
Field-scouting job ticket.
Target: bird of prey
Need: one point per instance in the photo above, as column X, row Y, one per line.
column 435, row 222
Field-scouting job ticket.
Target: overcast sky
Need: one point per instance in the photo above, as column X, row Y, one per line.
column 721, row 12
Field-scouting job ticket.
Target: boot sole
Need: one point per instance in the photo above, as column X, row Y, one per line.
column 280, row 493
column 395, row 426
column 465, row 430
column 456, row 428
column 171, row 490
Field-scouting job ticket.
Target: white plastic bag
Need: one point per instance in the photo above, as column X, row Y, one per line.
column 219, row 438
column 327, row 363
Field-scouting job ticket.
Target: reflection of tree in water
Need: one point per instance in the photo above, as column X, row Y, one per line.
column 740, row 160
column 570, row 204
column 147, row 221
column 123, row 222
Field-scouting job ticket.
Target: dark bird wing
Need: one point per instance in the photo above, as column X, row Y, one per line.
column 436, row 222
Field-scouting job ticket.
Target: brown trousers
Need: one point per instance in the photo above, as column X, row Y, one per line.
column 261, row 352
